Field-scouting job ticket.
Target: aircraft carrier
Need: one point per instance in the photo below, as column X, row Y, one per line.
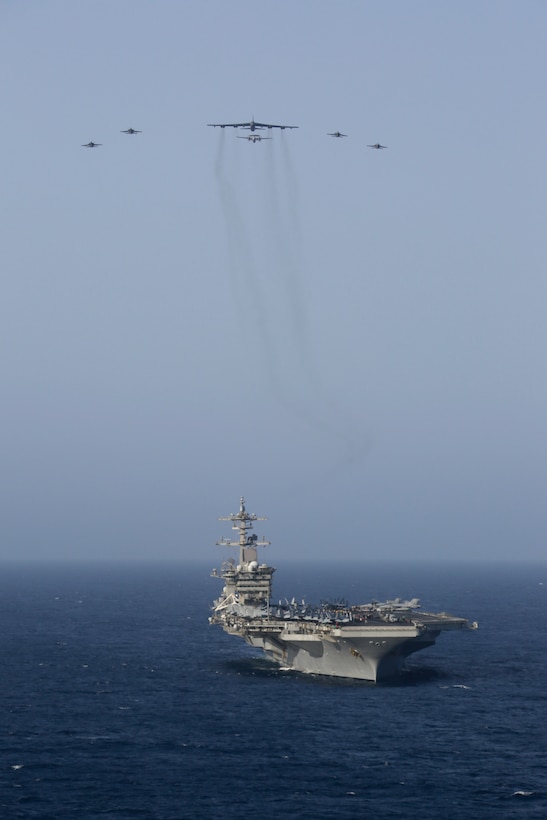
column 366, row 642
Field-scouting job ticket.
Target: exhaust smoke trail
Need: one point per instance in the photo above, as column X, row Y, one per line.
column 244, row 272
column 274, row 286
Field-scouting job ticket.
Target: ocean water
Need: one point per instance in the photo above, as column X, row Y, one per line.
column 119, row 700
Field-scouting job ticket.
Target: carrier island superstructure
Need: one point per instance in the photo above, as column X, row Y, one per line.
column 366, row 642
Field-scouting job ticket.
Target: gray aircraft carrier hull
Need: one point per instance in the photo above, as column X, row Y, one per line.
column 372, row 653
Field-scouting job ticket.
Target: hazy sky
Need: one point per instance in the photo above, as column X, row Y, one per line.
column 353, row 339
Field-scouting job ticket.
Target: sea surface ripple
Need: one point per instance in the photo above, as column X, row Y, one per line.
column 118, row 699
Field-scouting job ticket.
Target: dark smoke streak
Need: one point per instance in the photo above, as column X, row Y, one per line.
column 270, row 294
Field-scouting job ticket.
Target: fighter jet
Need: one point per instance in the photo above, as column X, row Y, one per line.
column 254, row 138
column 248, row 126
column 130, row 131
column 337, row 134
column 376, row 145
column 92, row 145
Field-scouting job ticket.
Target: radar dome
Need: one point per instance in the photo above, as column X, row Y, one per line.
column 253, row 565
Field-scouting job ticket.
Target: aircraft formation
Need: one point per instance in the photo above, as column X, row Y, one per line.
column 98, row 144
column 252, row 125
column 338, row 134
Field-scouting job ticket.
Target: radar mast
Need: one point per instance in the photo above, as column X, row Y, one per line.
column 242, row 522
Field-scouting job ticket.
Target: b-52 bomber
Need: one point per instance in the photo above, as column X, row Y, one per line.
column 337, row 134
column 92, row 144
column 131, row 131
column 377, row 145
column 249, row 126
column 254, row 138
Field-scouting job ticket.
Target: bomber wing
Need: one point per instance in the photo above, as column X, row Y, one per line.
column 230, row 124
column 269, row 125
column 252, row 125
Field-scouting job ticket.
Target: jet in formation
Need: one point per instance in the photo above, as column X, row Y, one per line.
column 376, row 145
column 337, row 134
column 249, row 126
column 131, row 131
column 92, row 144
column 254, row 138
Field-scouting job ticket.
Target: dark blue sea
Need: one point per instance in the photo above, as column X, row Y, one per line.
column 119, row 700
